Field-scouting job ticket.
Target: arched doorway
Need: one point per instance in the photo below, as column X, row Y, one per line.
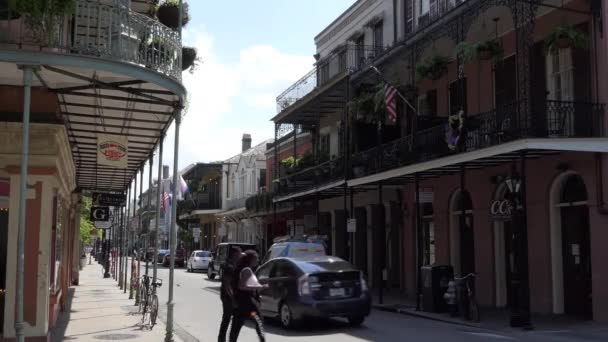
column 462, row 237
column 571, row 247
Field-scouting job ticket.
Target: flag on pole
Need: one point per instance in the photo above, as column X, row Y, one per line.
column 390, row 102
column 183, row 188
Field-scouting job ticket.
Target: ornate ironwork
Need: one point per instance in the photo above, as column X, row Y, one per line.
column 553, row 119
column 348, row 59
column 110, row 31
column 324, row 173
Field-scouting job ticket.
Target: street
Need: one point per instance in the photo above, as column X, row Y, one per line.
column 198, row 314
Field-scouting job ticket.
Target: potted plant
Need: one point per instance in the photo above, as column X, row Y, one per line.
column 189, row 58
column 43, row 17
column 432, row 68
column 566, row 36
column 168, row 14
column 482, row 51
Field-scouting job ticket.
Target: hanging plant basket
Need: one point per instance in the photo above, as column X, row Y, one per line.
column 433, row 68
column 168, row 14
column 188, row 57
column 565, row 37
column 483, row 51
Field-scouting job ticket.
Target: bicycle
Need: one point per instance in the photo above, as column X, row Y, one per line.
column 465, row 296
column 148, row 300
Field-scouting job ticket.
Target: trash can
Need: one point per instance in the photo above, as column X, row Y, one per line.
column 434, row 284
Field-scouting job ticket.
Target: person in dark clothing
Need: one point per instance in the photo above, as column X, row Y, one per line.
column 227, row 293
column 246, row 286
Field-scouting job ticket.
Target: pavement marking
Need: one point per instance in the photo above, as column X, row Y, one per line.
column 490, row 335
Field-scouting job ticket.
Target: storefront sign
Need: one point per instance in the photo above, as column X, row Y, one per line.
column 112, row 200
column 100, row 214
column 351, row 226
column 112, row 150
column 425, row 195
column 501, row 210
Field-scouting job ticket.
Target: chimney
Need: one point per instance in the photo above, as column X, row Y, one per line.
column 246, row 142
column 165, row 171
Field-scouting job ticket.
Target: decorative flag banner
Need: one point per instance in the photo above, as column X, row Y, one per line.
column 390, row 101
column 112, row 150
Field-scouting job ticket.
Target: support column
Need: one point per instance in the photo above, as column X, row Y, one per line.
column 123, row 241
column 352, row 235
column 379, row 247
column 25, row 145
column 138, row 234
column 133, row 242
column 419, row 255
column 148, row 207
column 158, row 201
column 172, row 233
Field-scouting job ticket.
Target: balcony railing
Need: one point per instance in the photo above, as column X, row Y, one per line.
column 311, row 177
column 236, row 203
column 346, row 59
column 437, row 10
column 549, row 119
column 109, row 31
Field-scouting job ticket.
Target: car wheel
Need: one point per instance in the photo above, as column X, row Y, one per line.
column 356, row 321
column 286, row 316
column 210, row 274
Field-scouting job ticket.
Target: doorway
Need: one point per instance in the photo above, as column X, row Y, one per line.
column 462, row 237
column 361, row 239
column 576, row 256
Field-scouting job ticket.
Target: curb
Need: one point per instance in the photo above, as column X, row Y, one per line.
column 420, row 315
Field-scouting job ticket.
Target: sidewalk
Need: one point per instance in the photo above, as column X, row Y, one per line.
column 98, row 310
column 498, row 320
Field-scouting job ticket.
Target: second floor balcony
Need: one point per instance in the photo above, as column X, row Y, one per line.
column 344, row 60
column 107, row 30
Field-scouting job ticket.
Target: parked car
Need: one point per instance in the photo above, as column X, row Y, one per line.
column 294, row 249
column 220, row 256
column 180, row 256
column 161, row 255
column 313, row 286
column 199, row 260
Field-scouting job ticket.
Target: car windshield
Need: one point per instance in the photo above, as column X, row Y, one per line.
column 203, row 254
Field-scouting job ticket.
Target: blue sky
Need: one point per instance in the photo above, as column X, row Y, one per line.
column 251, row 52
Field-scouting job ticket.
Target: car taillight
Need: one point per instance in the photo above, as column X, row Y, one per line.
column 307, row 284
column 363, row 282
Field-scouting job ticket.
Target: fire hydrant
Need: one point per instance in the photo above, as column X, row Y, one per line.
column 450, row 296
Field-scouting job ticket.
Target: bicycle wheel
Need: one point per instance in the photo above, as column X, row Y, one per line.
column 153, row 310
column 474, row 313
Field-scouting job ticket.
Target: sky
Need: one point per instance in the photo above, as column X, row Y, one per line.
column 251, row 51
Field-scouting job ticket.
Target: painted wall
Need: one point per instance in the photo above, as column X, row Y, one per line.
column 51, row 169
column 541, row 173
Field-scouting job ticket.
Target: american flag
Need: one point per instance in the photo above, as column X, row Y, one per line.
column 390, row 102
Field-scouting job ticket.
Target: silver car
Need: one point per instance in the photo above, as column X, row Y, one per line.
column 198, row 260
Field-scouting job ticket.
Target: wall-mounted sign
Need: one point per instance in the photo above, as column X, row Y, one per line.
column 351, row 226
column 112, row 200
column 112, row 150
column 100, row 214
column 501, row 210
column 102, row 224
column 425, row 195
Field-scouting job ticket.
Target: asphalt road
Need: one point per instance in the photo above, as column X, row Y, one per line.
column 198, row 314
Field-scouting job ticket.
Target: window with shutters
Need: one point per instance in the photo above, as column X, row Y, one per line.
column 560, row 87
column 379, row 35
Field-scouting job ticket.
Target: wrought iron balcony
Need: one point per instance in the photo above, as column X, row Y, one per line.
column 311, row 177
column 343, row 60
column 236, row 203
column 437, row 10
column 548, row 119
column 109, row 31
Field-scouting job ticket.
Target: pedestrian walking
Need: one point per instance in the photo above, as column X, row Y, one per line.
column 226, row 291
column 246, row 286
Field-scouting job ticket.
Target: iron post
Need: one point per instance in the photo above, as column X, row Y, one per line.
column 158, row 200
column 25, row 142
column 172, row 232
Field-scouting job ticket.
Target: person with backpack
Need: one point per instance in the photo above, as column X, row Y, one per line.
column 246, row 287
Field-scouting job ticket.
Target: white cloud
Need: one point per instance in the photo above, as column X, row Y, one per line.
column 227, row 100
